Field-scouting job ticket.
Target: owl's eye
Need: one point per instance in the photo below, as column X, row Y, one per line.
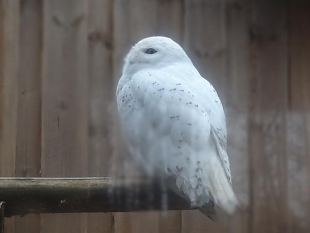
column 150, row 51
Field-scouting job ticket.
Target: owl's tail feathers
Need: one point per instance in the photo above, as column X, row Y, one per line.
column 220, row 188
column 209, row 210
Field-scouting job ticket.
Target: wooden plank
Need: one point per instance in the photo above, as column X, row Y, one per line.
column 28, row 138
column 101, row 125
column 64, row 94
column 137, row 222
column 28, row 154
column 29, row 223
column 268, row 99
column 9, row 33
column 100, row 222
column 298, row 128
column 170, row 19
column 237, row 105
column 101, row 94
column 8, row 84
column 170, row 221
column 64, row 100
column 134, row 20
column 194, row 221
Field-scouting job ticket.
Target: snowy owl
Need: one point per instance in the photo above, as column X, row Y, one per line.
column 174, row 124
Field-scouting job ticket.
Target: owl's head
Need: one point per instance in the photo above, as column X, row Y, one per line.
column 154, row 52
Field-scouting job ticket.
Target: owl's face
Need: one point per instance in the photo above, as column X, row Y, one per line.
column 154, row 52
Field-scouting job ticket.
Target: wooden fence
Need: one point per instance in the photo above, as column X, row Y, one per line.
column 59, row 64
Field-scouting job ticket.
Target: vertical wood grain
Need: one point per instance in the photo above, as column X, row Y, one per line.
column 64, row 94
column 9, row 36
column 170, row 19
column 101, row 146
column 28, row 155
column 8, row 84
column 298, row 128
column 101, row 91
column 237, row 105
column 170, row 221
column 28, row 144
column 64, row 101
column 268, row 99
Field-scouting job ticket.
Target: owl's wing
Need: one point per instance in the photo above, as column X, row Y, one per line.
column 220, row 143
column 218, row 122
column 218, row 167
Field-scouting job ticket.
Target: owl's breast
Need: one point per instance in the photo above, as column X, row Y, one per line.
column 164, row 122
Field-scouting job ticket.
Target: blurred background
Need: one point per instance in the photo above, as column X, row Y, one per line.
column 59, row 65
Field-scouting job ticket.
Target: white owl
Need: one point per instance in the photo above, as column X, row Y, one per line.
column 174, row 123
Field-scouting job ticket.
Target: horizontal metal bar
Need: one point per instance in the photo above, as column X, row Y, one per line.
column 92, row 194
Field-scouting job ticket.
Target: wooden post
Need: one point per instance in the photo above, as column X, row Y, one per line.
column 72, row 195
column 1, row 217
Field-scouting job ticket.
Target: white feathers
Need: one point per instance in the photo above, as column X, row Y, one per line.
column 174, row 122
